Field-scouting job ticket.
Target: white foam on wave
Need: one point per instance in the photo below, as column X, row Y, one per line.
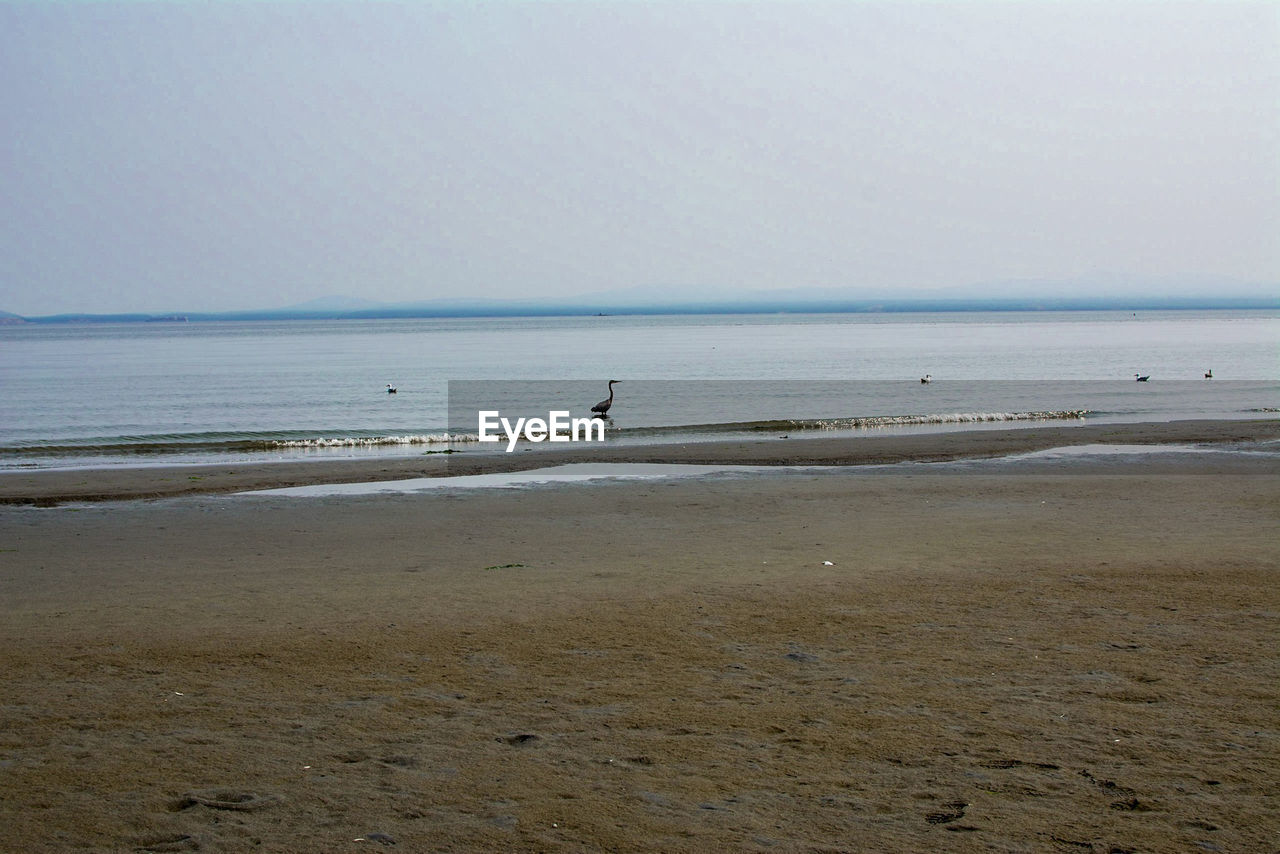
column 949, row 418
column 372, row 441
column 821, row 424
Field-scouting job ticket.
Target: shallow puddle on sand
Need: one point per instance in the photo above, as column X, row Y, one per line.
column 570, row 473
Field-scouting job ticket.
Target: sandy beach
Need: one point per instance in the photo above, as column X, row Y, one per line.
column 1070, row 658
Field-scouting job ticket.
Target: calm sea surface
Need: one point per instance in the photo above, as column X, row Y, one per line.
column 137, row 394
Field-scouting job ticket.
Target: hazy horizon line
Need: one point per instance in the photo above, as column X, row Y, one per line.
column 498, row 307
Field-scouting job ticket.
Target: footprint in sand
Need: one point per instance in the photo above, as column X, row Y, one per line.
column 173, row 842
column 228, row 799
column 954, row 810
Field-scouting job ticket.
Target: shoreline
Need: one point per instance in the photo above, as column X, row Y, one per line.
column 55, row 486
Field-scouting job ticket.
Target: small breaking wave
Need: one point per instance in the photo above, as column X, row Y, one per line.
column 948, row 418
column 375, row 441
column 873, row 421
column 223, row 443
column 215, row 445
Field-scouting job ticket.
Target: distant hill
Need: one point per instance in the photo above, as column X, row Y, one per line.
column 335, row 303
column 1037, row 295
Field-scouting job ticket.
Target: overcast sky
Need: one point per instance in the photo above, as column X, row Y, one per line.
column 186, row 156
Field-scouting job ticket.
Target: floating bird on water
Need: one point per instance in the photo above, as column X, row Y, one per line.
column 602, row 407
column 1142, row 379
column 1208, row 374
column 391, row 389
column 927, row 378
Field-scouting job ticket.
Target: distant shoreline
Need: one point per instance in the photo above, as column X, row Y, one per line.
column 450, row 309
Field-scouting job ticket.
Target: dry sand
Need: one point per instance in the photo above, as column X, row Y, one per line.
column 898, row 661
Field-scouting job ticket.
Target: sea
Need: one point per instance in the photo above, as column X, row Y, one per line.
column 162, row 393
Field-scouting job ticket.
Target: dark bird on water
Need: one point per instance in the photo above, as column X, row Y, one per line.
column 1208, row 374
column 927, row 378
column 1142, row 379
column 602, row 408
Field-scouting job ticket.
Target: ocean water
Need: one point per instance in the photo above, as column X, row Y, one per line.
column 138, row 394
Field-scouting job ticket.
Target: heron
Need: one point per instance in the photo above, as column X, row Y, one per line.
column 927, row 378
column 602, row 407
column 1141, row 378
column 391, row 389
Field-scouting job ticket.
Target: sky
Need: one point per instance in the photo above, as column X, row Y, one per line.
column 212, row 156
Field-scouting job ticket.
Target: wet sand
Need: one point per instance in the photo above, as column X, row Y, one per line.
column 1079, row 660
column 48, row 487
